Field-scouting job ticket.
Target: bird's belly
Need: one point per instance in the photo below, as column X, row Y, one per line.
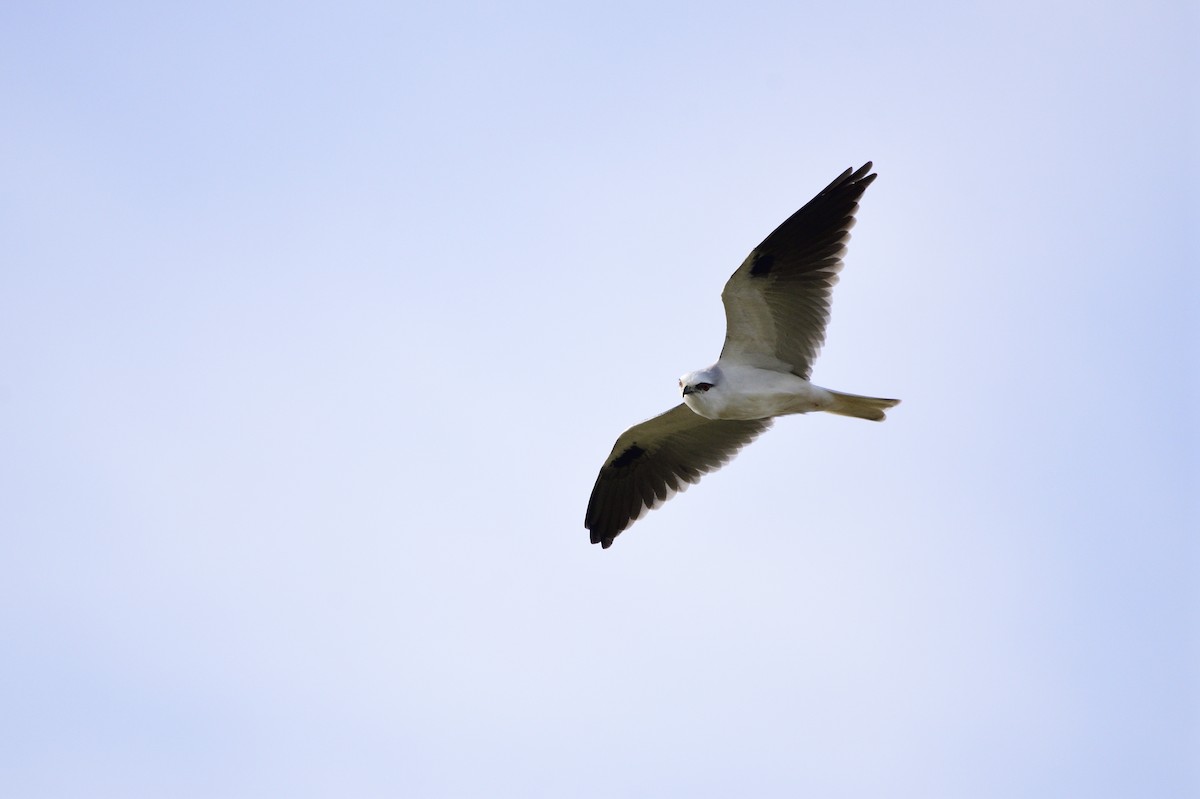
column 761, row 406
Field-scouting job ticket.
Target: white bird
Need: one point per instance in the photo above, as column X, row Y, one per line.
column 776, row 310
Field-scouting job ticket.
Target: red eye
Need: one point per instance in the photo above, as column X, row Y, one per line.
column 703, row 386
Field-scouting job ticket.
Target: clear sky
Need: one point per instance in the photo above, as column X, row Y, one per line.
column 318, row 320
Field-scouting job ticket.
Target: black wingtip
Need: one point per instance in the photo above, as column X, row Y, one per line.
column 861, row 175
column 604, row 541
column 857, row 174
column 864, row 176
column 852, row 177
column 595, row 530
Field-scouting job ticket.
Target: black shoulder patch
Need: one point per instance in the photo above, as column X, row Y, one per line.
column 761, row 267
column 628, row 456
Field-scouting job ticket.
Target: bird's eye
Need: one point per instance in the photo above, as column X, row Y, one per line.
column 703, row 386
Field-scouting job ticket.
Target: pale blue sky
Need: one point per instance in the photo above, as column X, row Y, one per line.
column 316, row 324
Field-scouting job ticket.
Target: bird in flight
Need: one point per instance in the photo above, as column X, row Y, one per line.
column 776, row 310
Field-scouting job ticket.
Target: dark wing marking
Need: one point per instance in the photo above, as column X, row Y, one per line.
column 653, row 460
column 777, row 302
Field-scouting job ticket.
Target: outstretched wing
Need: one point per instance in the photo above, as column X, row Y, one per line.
column 777, row 302
column 653, row 460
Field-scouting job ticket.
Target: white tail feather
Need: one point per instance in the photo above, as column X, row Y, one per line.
column 861, row 407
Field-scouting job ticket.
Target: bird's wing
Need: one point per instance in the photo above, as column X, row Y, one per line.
column 653, row 460
column 777, row 302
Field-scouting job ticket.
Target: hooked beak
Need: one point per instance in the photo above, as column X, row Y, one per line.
column 688, row 390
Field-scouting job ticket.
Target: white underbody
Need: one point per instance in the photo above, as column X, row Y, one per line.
column 748, row 392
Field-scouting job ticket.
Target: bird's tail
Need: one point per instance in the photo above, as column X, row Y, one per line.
column 861, row 407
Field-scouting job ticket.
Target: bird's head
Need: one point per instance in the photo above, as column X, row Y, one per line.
column 700, row 382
